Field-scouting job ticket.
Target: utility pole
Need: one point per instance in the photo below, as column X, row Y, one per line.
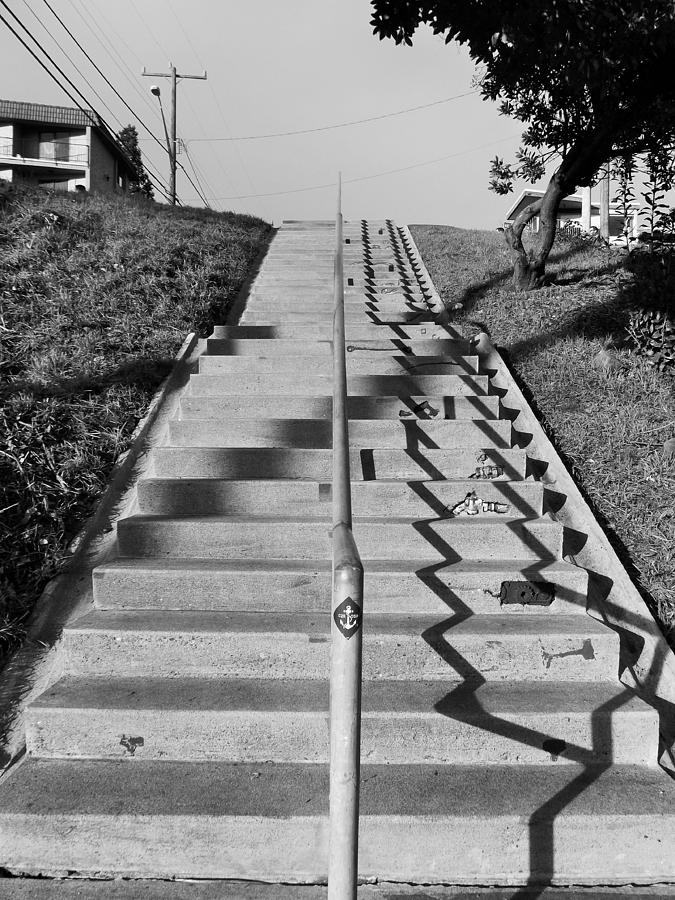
column 171, row 135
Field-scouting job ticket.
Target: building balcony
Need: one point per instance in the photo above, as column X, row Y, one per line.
column 63, row 156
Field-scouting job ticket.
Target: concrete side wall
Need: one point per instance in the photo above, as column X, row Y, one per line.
column 102, row 166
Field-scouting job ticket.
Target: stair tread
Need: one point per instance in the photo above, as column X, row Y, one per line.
column 384, row 521
column 317, row 623
column 380, row 698
column 375, row 566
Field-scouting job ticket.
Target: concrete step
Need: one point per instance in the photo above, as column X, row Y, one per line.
column 322, row 385
column 392, row 585
column 485, row 406
column 357, row 364
column 412, row 434
column 403, row 722
column 453, row 824
column 286, row 537
column 356, row 319
column 202, row 497
column 460, row 647
column 324, row 332
column 289, row 347
column 316, row 465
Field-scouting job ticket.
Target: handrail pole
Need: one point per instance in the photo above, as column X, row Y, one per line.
column 346, row 630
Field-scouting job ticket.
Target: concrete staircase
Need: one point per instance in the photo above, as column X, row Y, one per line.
column 189, row 737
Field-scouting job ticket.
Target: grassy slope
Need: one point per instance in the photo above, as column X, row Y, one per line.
column 96, row 297
column 609, row 425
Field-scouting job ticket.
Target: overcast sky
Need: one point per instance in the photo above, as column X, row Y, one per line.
column 275, row 66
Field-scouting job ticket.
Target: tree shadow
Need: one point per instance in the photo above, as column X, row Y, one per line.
column 140, row 372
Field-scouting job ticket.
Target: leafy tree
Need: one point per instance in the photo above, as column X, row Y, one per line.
column 590, row 79
column 622, row 171
column 659, row 167
column 139, row 183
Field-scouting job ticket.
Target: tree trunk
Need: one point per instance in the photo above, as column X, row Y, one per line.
column 529, row 267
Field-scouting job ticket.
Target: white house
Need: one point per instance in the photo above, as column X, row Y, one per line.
column 61, row 148
column 577, row 210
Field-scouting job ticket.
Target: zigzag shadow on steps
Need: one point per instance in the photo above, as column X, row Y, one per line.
column 462, row 704
column 617, row 544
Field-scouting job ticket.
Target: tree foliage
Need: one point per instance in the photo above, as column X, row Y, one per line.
column 140, row 182
column 591, row 80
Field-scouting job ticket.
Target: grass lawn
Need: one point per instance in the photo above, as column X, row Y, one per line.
column 607, row 416
column 96, row 297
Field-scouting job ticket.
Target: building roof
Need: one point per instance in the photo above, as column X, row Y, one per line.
column 43, row 114
column 18, row 111
column 569, row 204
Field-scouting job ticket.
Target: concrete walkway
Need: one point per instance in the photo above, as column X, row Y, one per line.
column 189, row 737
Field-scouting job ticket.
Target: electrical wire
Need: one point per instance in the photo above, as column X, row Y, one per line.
column 194, row 169
column 105, row 78
column 331, row 184
column 110, row 49
column 86, row 109
column 163, row 50
column 73, row 64
column 217, row 156
column 278, row 134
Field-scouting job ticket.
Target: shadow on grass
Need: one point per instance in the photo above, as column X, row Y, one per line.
column 142, row 372
column 617, row 543
column 475, row 292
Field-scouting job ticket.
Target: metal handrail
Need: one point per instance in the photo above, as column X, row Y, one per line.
column 346, row 622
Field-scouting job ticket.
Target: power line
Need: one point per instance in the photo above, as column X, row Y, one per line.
column 276, row 134
column 117, row 59
column 331, row 184
column 77, row 69
column 194, row 169
column 86, row 109
column 101, row 73
column 217, row 156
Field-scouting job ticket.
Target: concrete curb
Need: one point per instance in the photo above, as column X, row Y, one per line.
column 37, row 664
column 647, row 663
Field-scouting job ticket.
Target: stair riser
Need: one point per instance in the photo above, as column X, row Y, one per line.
column 482, row 407
column 598, row 849
column 185, row 497
column 317, row 465
column 266, row 590
column 303, row 737
column 376, row 364
column 322, row 385
column 290, row 347
column 449, row 540
column 318, row 434
column 394, row 657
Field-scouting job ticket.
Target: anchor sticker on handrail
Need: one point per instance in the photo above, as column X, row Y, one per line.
column 347, row 617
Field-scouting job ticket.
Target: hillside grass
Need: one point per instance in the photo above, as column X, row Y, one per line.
column 96, row 297
column 607, row 414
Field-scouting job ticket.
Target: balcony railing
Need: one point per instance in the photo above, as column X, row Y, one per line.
column 45, row 151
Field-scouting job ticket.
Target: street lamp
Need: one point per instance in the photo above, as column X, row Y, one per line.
column 155, row 91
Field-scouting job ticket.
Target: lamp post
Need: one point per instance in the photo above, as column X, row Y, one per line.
column 170, row 142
